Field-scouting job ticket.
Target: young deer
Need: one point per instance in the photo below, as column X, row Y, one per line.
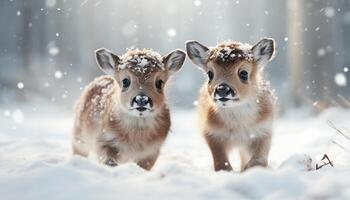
column 236, row 105
column 124, row 117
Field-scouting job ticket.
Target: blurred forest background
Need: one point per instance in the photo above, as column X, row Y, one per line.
column 47, row 46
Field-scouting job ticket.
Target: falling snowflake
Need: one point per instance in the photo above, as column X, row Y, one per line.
column 7, row 113
column 197, row 3
column 20, row 85
column 286, row 39
column 340, row 79
column 346, row 69
column 17, row 116
column 329, row 12
column 79, row 79
column 321, row 52
column 171, row 32
column 64, row 96
column 18, row 13
column 58, row 74
column 53, row 49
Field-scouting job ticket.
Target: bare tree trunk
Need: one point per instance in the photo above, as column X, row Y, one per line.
column 311, row 55
column 294, row 55
column 26, row 35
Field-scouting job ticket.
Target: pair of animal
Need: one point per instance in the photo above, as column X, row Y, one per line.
column 124, row 117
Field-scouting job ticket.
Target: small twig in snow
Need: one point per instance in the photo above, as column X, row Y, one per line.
column 327, row 162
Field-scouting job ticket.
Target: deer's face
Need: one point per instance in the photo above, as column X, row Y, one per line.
column 231, row 68
column 229, row 85
column 141, row 76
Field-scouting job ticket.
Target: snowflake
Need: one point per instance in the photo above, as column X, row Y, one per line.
column 197, row 3
column 58, row 74
column 329, row 12
column 7, row 113
column 17, row 116
column 20, row 85
column 171, row 32
column 321, row 52
column 53, row 49
column 340, row 79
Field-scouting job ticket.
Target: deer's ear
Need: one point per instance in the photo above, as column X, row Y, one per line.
column 264, row 50
column 174, row 60
column 106, row 60
column 197, row 53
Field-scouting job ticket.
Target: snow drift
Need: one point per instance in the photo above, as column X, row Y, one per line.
column 35, row 163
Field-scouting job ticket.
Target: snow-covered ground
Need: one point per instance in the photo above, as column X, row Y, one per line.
column 35, row 163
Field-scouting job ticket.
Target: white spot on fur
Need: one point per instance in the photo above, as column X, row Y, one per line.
column 100, row 101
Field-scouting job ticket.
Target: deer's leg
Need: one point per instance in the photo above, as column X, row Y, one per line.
column 244, row 158
column 108, row 154
column 148, row 162
column 259, row 150
column 219, row 154
column 78, row 146
column 79, row 151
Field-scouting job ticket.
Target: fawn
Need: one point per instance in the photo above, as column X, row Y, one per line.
column 124, row 117
column 236, row 105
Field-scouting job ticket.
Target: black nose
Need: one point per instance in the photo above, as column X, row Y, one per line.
column 223, row 90
column 142, row 101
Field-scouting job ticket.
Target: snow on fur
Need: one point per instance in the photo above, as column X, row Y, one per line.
column 230, row 50
column 100, row 99
column 141, row 61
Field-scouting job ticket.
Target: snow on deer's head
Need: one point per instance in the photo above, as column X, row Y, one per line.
column 232, row 68
column 141, row 76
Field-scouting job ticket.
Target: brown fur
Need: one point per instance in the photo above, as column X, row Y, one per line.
column 103, row 125
column 226, row 128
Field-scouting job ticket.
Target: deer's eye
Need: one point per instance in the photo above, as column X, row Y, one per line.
column 159, row 84
column 210, row 75
column 243, row 75
column 126, row 83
